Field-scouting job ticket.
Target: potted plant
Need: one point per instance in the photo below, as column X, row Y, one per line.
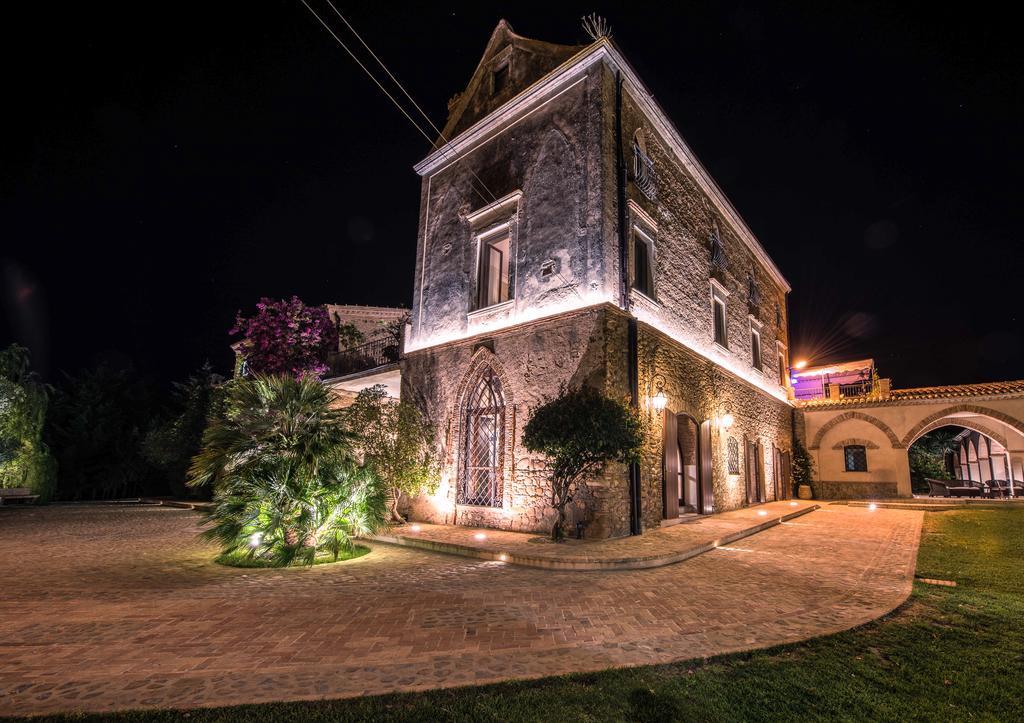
column 803, row 471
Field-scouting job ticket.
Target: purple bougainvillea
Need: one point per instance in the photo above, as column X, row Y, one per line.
column 287, row 337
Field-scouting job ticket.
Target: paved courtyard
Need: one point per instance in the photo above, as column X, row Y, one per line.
column 105, row 608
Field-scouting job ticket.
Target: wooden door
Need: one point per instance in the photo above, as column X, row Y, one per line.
column 670, row 467
column 707, row 492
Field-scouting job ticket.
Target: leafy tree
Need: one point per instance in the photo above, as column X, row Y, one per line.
column 580, row 431
column 96, row 428
column 396, row 442
column 25, row 459
column 803, row 466
column 286, row 483
column 928, row 457
column 174, row 439
column 287, row 337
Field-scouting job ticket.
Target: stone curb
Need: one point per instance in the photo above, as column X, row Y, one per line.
column 940, row 507
column 582, row 564
column 177, row 503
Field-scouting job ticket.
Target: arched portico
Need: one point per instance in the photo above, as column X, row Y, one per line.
column 860, row 445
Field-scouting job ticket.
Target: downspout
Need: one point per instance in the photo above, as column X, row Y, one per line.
column 632, row 366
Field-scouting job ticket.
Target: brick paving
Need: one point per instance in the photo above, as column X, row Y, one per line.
column 663, row 546
column 107, row 608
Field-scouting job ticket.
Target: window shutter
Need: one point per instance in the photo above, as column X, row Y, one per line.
column 670, row 467
column 759, row 468
column 707, row 491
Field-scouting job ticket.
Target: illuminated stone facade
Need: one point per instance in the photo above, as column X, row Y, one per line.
column 529, row 274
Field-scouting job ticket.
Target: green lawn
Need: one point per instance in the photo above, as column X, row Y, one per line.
column 948, row 654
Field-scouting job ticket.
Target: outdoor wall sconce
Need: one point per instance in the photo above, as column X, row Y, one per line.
column 727, row 420
column 660, row 400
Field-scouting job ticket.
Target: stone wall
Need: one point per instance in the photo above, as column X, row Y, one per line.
column 696, row 386
column 532, row 361
column 840, row 490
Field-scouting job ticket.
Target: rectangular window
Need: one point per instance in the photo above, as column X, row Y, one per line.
column 500, row 78
column 782, row 370
column 492, row 287
column 643, row 275
column 856, row 458
column 755, row 350
column 721, row 338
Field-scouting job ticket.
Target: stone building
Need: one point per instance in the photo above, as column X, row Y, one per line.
column 569, row 236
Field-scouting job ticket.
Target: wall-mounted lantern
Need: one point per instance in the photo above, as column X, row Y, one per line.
column 727, row 420
column 660, row 400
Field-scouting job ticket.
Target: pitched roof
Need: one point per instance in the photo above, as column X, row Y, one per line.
column 983, row 389
column 952, row 391
column 529, row 61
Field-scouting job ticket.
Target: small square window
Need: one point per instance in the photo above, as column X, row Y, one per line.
column 499, row 78
column 856, row 458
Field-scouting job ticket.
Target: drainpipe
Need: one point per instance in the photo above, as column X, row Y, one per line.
column 632, row 365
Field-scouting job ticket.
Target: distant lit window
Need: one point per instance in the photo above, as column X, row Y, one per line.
column 856, row 458
column 718, row 315
column 755, row 349
column 643, row 256
column 493, row 279
column 499, row 78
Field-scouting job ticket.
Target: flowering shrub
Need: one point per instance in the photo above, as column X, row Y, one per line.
column 287, row 337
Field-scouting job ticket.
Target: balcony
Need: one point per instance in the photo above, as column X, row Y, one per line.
column 376, row 353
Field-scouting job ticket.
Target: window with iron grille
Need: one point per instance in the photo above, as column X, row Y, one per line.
column 643, row 168
column 718, row 259
column 753, row 293
column 484, row 435
column 856, row 458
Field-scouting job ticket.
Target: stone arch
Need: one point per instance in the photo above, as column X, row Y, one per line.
column 970, row 424
column 484, row 360
column 917, row 430
column 846, row 416
column 853, row 441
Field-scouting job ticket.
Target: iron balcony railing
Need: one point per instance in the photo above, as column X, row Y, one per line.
column 855, row 389
column 372, row 354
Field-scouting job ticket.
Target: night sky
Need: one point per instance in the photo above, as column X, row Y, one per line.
column 170, row 163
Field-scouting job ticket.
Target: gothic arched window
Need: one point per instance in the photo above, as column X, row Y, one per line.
column 483, row 443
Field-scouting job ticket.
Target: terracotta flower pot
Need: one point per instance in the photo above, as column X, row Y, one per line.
column 804, row 492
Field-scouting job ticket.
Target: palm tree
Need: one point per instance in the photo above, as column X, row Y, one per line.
column 286, row 483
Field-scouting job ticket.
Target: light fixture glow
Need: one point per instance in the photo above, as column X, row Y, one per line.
column 415, row 528
column 503, row 557
column 762, row 513
column 727, row 421
column 872, row 506
column 800, row 364
column 255, row 539
column 659, row 401
column 480, row 536
column 793, row 504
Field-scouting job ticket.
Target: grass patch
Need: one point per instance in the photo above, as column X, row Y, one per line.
column 949, row 654
column 241, row 559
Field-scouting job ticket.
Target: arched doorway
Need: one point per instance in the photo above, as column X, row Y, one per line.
column 686, row 465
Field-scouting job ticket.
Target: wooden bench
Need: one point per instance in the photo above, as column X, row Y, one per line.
column 17, row 494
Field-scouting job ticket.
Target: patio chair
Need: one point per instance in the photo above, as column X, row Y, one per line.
column 937, row 488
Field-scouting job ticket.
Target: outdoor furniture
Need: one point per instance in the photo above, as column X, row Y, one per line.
column 937, row 488
column 17, row 494
column 1004, row 487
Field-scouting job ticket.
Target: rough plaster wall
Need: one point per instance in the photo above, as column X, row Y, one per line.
column 552, row 155
column 699, row 388
column 534, row 359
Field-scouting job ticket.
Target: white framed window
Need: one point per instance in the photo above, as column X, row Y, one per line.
column 493, row 274
column 643, row 262
column 719, row 314
column 756, row 359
